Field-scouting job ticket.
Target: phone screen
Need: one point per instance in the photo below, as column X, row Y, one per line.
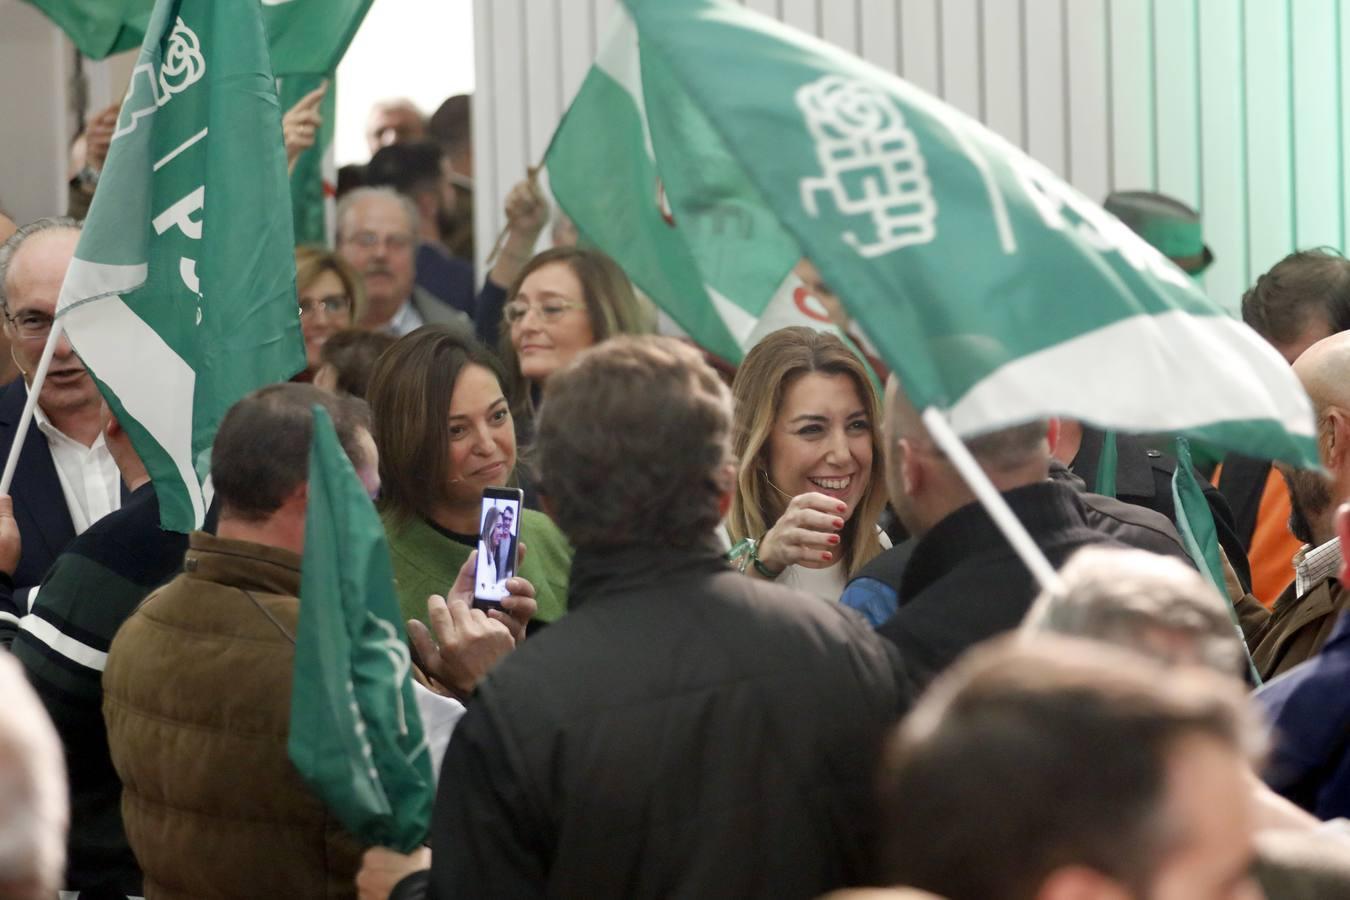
column 498, row 531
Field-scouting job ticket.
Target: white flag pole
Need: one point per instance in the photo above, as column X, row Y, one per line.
column 993, row 501
column 21, row 433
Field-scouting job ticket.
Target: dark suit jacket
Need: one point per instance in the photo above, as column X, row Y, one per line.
column 1144, row 478
column 39, row 505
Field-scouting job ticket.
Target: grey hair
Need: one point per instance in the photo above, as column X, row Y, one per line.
column 10, row 247
column 356, row 195
column 1130, row 597
column 34, row 801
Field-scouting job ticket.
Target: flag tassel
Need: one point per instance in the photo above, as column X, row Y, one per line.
column 992, row 500
column 40, row 376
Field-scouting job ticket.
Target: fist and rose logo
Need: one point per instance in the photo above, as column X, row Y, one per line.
column 183, row 64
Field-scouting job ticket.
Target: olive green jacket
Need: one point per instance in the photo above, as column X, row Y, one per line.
column 426, row 562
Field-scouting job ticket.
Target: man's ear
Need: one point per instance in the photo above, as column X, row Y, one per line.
column 1337, row 447
column 1052, row 434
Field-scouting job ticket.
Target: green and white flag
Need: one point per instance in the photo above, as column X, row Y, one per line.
column 710, row 147
column 181, row 296
column 356, row 734
column 304, row 36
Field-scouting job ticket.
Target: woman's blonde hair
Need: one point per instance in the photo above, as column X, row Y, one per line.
column 312, row 260
column 612, row 306
column 770, row 368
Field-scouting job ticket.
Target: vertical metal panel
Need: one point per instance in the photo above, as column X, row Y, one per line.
column 767, row 7
column 839, row 24
column 540, row 60
column 486, row 103
column 1088, row 114
column 962, row 66
column 1223, row 192
column 1177, row 138
column 877, row 22
column 601, row 12
column 1131, row 34
column 1269, row 139
column 1001, row 27
column 1043, row 36
column 920, row 40
column 574, row 45
column 1316, row 120
column 802, row 14
column 1341, row 81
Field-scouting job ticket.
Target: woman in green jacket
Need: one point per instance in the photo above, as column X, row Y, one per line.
column 443, row 427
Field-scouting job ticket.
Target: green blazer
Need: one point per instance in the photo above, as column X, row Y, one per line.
column 426, row 562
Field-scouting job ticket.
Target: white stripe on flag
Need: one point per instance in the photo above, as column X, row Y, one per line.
column 152, row 382
column 67, row 646
column 619, row 58
column 1164, row 365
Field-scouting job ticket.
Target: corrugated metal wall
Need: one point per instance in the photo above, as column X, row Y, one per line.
column 1233, row 106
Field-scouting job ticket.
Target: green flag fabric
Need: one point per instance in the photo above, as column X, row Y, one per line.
column 314, row 179
column 304, row 36
column 709, row 147
column 181, row 296
column 99, row 28
column 356, row 735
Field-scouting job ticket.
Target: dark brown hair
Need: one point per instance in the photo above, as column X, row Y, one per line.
column 352, row 354
column 261, row 450
column 1304, row 284
column 1029, row 756
column 631, row 436
column 410, row 393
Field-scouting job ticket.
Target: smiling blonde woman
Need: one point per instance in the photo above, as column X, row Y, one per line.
column 810, row 484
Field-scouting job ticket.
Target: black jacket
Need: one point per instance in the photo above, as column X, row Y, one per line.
column 684, row 731
column 1144, row 478
column 964, row 583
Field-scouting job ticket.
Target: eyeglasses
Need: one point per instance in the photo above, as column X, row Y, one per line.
column 369, row 239
column 31, row 326
column 331, row 305
column 550, row 310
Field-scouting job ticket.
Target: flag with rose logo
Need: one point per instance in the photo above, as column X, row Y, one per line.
column 710, row 148
column 181, row 296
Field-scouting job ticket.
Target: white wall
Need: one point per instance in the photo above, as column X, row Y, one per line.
column 1232, row 106
column 35, row 60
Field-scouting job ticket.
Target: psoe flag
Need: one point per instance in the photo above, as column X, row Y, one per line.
column 356, row 735
column 181, row 296
column 709, row 147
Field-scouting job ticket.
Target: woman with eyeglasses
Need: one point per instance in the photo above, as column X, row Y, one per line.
column 564, row 300
column 330, row 300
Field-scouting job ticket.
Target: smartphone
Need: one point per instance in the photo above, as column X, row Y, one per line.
column 498, row 538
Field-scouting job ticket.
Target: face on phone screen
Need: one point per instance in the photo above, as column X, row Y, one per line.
column 499, row 526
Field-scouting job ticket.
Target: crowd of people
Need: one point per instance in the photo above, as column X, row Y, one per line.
column 761, row 640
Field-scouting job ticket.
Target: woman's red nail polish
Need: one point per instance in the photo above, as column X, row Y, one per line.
column 834, row 539
column 826, row 556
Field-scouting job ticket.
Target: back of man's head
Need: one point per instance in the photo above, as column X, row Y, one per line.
column 1155, row 605
column 1063, row 768
column 1303, row 298
column 261, row 451
column 411, row 168
column 634, row 445
column 34, row 807
column 923, row 484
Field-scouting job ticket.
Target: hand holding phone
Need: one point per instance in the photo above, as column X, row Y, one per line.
column 498, row 541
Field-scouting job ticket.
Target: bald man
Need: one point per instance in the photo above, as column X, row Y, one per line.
column 394, row 121
column 1304, row 615
column 958, row 581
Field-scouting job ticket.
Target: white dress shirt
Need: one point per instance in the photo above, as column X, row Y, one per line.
column 405, row 320
column 89, row 478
